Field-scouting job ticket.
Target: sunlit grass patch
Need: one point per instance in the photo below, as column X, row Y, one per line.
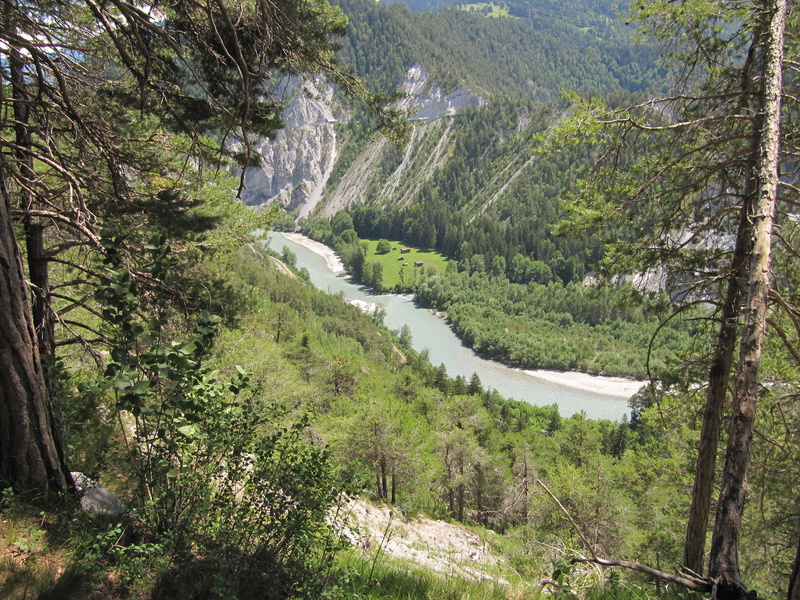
column 486, row 8
column 402, row 268
column 381, row 577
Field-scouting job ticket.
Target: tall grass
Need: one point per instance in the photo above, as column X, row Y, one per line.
column 355, row 578
column 358, row 577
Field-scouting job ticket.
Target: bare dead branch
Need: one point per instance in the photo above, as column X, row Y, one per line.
column 577, row 529
column 693, row 583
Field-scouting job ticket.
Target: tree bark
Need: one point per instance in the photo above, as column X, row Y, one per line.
column 525, row 484
column 461, row 488
column 697, row 584
column 393, row 499
column 702, row 491
column 31, row 458
column 38, row 266
column 794, row 579
column 384, row 491
column 724, row 560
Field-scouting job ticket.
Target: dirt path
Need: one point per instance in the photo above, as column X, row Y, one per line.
column 282, row 266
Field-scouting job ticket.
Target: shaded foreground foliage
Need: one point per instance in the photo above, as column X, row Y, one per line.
column 406, row 432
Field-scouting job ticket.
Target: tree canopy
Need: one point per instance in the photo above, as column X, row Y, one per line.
column 112, row 114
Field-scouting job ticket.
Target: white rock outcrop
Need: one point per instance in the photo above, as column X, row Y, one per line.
column 442, row 547
column 428, row 101
column 297, row 163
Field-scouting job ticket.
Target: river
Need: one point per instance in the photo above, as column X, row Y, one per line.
column 572, row 392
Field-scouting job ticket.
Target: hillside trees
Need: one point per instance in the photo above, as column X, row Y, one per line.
column 501, row 55
column 385, row 437
column 99, row 100
column 630, row 502
column 699, row 166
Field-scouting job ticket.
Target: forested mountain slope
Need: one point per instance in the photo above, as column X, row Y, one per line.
column 512, row 65
column 600, row 17
column 518, row 56
column 472, row 180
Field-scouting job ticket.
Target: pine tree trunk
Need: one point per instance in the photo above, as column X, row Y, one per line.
column 30, row 451
column 378, row 482
column 461, row 502
column 525, row 487
column 460, row 494
column 41, row 309
column 719, row 373
column 38, row 267
column 479, row 493
column 722, row 359
column 31, row 458
column 394, row 487
column 724, row 560
column 384, row 493
column 794, row 580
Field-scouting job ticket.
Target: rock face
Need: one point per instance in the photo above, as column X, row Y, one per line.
column 428, row 101
column 296, row 165
column 442, row 547
column 430, row 144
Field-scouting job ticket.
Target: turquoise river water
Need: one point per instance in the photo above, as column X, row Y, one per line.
column 431, row 332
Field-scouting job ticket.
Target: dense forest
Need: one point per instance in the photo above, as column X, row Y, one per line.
column 514, row 64
column 149, row 342
column 503, row 57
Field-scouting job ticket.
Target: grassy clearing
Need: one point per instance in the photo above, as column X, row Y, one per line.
column 489, row 10
column 394, row 272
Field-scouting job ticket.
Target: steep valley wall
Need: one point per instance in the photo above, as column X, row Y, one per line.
column 296, row 166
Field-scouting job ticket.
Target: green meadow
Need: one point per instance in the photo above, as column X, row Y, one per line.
column 399, row 268
column 490, row 10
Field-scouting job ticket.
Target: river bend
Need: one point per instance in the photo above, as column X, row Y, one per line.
column 572, row 392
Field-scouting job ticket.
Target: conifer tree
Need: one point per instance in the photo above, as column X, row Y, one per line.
column 103, row 105
column 703, row 165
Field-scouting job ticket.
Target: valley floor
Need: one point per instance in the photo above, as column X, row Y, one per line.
column 609, row 386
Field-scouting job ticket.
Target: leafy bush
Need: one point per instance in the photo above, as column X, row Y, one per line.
column 232, row 496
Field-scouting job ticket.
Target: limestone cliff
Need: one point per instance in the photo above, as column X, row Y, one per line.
column 429, row 146
column 296, row 165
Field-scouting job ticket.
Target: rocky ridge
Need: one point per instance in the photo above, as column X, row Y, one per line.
column 296, row 164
